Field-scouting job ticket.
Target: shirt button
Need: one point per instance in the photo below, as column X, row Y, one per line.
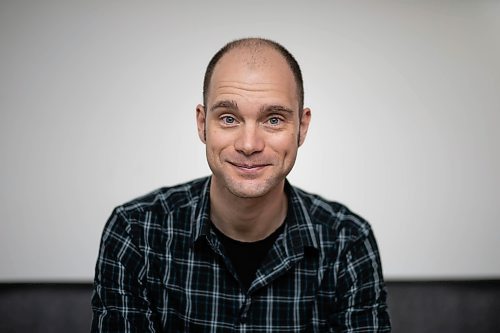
column 243, row 319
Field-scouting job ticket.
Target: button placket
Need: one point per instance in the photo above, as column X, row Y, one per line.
column 245, row 307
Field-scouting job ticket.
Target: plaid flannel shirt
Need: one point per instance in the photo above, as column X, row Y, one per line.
column 161, row 268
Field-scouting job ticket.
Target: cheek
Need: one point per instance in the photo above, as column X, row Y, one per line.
column 285, row 144
column 218, row 141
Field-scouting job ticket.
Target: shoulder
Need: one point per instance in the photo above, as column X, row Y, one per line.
column 335, row 221
column 167, row 208
column 166, row 200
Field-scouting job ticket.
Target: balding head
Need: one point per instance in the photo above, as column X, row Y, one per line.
column 253, row 57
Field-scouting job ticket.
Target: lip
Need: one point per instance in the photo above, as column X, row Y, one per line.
column 248, row 168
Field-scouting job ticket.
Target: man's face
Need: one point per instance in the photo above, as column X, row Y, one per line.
column 251, row 124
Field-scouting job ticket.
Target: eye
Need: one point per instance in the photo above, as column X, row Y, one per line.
column 228, row 120
column 274, row 121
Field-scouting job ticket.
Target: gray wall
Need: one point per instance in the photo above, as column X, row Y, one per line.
column 97, row 106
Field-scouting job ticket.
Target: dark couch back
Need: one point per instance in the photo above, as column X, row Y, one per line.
column 441, row 307
column 445, row 307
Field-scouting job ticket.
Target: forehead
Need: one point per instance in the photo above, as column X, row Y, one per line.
column 253, row 70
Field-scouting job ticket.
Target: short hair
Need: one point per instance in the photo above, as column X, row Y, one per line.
column 256, row 43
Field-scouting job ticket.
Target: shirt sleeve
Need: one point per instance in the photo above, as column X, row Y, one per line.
column 119, row 301
column 361, row 293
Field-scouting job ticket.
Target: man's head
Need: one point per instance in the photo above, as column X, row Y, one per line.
column 254, row 45
column 253, row 121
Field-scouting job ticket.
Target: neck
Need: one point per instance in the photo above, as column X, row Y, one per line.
column 247, row 219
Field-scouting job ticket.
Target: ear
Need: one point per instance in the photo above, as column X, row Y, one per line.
column 201, row 122
column 304, row 125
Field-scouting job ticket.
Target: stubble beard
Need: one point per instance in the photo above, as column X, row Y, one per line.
column 251, row 189
column 248, row 188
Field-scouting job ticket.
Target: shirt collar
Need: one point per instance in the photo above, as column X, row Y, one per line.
column 299, row 230
column 201, row 217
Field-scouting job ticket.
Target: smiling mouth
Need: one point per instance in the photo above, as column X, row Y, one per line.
column 246, row 166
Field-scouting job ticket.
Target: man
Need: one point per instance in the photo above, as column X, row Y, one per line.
column 242, row 250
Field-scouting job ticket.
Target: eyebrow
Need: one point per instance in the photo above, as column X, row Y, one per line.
column 225, row 104
column 275, row 108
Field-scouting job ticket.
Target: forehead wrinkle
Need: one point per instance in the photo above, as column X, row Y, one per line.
column 234, row 90
column 224, row 93
column 237, row 84
column 235, row 87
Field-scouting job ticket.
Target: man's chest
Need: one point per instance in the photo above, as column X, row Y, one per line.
column 197, row 290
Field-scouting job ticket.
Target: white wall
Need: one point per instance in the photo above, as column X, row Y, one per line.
column 97, row 106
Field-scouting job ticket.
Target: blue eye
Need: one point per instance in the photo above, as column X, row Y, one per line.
column 228, row 120
column 274, row 121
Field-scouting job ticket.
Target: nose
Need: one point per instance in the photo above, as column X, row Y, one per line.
column 249, row 140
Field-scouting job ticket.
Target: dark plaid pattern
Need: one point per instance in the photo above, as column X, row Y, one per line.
column 161, row 268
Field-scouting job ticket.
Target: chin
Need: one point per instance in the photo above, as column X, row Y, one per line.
column 247, row 194
column 250, row 189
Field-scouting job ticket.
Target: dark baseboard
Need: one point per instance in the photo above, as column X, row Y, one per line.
column 421, row 306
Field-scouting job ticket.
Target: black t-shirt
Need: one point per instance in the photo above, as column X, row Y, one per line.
column 246, row 257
